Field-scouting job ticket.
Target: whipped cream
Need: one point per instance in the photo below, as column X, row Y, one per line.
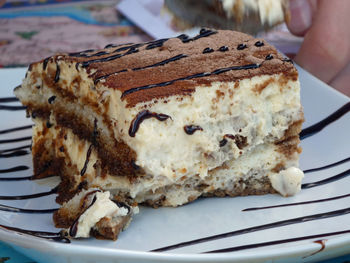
column 102, row 207
column 287, row 182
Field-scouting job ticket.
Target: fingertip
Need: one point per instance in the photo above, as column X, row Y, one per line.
column 300, row 17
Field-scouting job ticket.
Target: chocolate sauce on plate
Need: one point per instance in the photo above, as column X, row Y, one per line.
column 281, row 223
column 26, row 138
column 317, row 127
column 54, row 236
column 297, row 203
column 30, row 196
column 327, row 180
column 14, row 169
column 327, row 166
column 12, row 108
column 281, row 241
column 26, row 211
column 16, row 129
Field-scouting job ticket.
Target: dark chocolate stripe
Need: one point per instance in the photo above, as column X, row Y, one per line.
column 117, row 45
column 277, row 242
column 54, row 236
column 81, row 53
column 14, row 154
column 74, row 228
column 297, row 203
column 15, row 149
column 327, row 180
column 190, row 129
column 12, row 108
column 17, row 178
column 327, row 166
column 46, row 60
column 108, row 75
column 222, row 143
column 143, row 115
column 194, row 76
column 161, row 63
column 106, row 59
column 317, row 127
column 296, row 220
column 84, row 55
column 14, row 169
column 88, row 153
column 8, row 99
column 26, row 211
column 204, row 33
column 16, row 140
column 16, row 129
column 58, row 72
column 133, row 48
column 156, row 43
column 31, row 196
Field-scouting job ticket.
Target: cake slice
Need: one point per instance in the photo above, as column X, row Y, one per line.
column 163, row 123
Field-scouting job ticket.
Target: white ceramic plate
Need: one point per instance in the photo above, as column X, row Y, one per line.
column 204, row 218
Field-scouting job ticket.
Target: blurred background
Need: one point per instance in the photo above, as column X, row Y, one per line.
column 34, row 29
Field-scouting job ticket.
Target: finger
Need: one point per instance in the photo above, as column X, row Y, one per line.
column 326, row 47
column 342, row 81
column 300, row 17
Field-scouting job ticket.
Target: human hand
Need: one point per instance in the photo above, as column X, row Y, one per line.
column 325, row 51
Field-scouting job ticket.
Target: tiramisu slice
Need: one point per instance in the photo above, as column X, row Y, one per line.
column 163, row 123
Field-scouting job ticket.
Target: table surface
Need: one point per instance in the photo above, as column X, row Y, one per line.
column 32, row 30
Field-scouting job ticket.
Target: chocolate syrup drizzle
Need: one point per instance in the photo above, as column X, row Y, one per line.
column 327, row 166
column 74, row 228
column 31, row 196
column 143, row 115
column 26, row 138
column 281, row 241
column 15, row 149
column 58, row 72
column 14, row 169
column 191, row 129
column 161, row 63
column 87, row 63
column 12, row 108
column 317, row 127
column 297, row 203
column 133, row 48
column 281, row 223
column 24, row 178
column 16, row 129
column 26, row 211
column 54, row 236
column 327, row 180
column 194, row 76
column 88, row 153
column 9, row 99
column 14, row 154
